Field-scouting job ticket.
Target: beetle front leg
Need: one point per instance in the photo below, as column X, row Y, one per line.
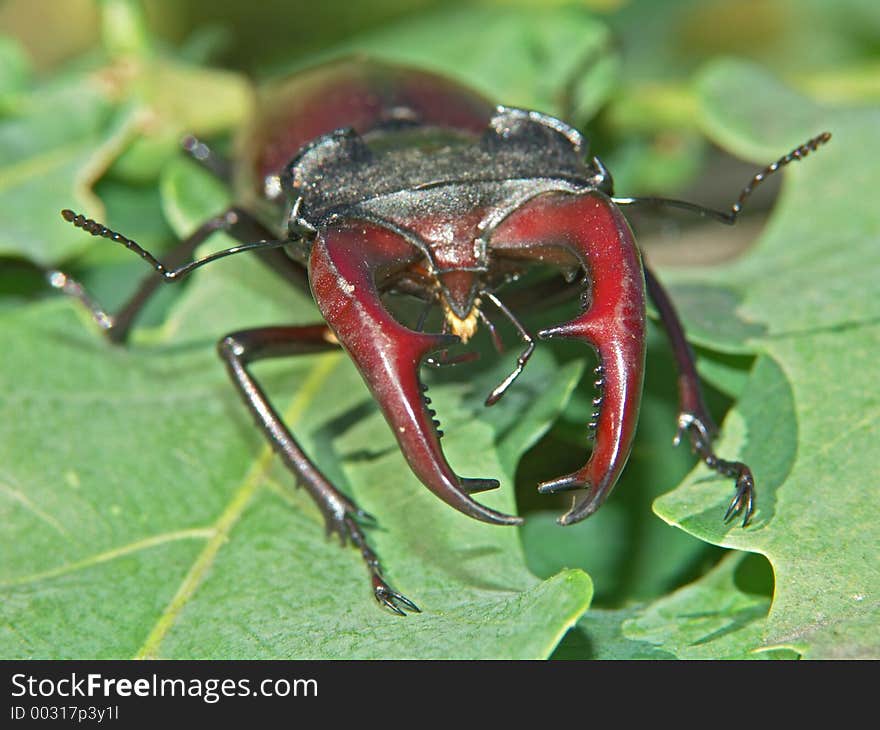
column 586, row 229
column 341, row 514
column 694, row 418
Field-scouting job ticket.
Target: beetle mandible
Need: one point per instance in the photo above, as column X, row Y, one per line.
column 358, row 180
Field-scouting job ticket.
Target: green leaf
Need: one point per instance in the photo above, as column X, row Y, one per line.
column 808, row 419
column 54, row 136
column 711, row 619
column 819, row 253
column 62, row 135
column 719, row 616
column 14, row 72
column 534, row 58
column 808, row 430
column 599, row 634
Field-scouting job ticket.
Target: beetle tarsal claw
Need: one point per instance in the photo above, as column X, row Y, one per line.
column 744, row 499
column 388, row 598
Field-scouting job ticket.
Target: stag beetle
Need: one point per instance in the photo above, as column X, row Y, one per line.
column 359, row 180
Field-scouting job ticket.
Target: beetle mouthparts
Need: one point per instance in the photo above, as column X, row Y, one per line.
column 465, row 328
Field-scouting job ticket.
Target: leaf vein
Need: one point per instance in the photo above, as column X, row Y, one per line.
column 22, row 499
column 241, row 498
column 108, row 555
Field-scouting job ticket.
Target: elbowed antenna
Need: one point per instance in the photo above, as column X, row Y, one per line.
column 730, row 216
column 223, row 222
column 523, row 357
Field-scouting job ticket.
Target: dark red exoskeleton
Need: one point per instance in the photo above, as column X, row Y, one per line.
column 361, row 180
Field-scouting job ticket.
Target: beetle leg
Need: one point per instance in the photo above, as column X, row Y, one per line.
column 341, row 514
column 589, row 230
column 692, row 407
column 345, row 263
column 694, row 418
column 701, row 443
column 236, row 222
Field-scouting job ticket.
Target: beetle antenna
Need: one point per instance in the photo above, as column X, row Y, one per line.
column 729, row 217
column 524, row 356
column 224, row 222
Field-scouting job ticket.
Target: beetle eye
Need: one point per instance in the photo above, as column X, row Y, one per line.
column 301, row 229
column 297, row 226
column 602, row 178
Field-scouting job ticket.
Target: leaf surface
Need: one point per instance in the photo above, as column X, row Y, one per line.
column 808, row 419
